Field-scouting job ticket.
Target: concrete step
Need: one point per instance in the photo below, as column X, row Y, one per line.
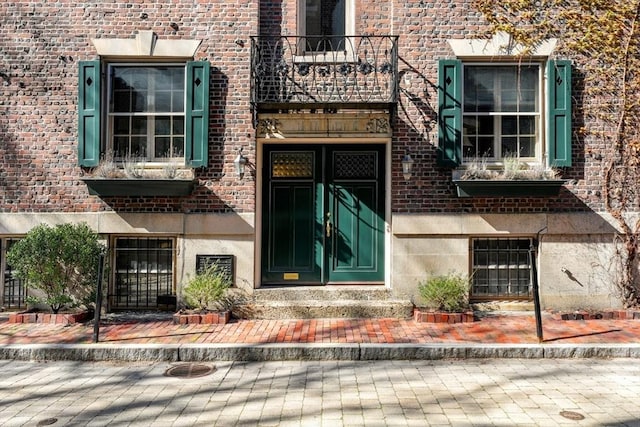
column 503, row 306
column 323, row 293
column 315, row 302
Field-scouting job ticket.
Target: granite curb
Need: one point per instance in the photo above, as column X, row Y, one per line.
column 306, row 352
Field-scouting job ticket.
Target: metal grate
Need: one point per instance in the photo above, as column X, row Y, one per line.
column 143, row 271
column 13, row 290
column 356, row 165
column 190, row 370
column 224, row 262
column 501, row 268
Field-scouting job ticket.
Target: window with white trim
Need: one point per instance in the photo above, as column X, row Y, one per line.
column 146, row 116
column 501, row 112
column 324, row 24
column 496, row 110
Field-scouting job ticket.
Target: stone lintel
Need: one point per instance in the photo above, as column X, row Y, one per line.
column 309, row 125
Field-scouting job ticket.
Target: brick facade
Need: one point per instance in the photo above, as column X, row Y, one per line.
column 42, row 43
column 41, row 46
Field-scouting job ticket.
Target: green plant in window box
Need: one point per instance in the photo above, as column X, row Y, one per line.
column 512, row 169
column 449, row 292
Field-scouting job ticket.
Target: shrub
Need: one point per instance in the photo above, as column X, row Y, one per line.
column 60, row 261
column 206, row 289
column 446, row 292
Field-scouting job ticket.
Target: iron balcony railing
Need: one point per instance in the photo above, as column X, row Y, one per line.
column 324, row 72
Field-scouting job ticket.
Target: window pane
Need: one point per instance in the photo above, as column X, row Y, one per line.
column 178, row 147
column 163, row 126
column 509, row 146
column 178, row 126
column 163, row 147
column 177, row 101
column 139, row 126
column 163, row 102
column 325, row 18
column 121, row 102
column 479, row 89
column 527, row 125
column 527, row 146
column 138, row 146
column 485, row 147
column 510, row 125
column 121, row 125
column 120, row 146
column 140, row 101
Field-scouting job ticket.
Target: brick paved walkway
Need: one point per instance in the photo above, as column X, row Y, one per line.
column 510, row 329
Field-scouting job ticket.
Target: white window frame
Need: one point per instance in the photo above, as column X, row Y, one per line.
column 497, row 159
column 325, row 56
column 149, row 160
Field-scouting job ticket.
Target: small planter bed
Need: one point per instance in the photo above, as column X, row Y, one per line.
column 596, row 315
column 430, row 316
column 60, row 318
column 210, row 318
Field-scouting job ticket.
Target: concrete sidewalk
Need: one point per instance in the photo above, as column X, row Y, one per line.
column 154, row 337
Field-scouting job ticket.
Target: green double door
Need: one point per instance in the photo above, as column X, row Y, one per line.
column 323, row 214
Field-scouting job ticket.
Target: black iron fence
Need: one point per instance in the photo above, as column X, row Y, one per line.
column 320, row 72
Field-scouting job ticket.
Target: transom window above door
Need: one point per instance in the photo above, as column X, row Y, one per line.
column 501, row 112
column 146, row 116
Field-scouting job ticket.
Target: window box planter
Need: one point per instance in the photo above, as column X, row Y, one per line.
column 139, row 186
column 508, row 188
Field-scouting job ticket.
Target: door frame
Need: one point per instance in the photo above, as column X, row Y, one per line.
column 386, row 181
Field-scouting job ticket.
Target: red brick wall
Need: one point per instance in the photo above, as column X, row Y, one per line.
column 40, row 46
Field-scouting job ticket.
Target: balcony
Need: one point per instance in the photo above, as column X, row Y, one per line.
column 355, row 72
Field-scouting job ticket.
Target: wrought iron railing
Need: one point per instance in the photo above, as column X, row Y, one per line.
column 321, row 72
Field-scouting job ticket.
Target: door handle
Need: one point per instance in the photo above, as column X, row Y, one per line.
column 327, row 225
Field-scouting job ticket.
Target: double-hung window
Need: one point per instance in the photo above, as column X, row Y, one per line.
column 150, row 111
column 501, row 112
column 498, row 110
column 146, row 116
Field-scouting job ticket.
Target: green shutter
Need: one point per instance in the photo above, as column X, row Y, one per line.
column 559, row 113
column 197, row 114
column 449, row 113
column 89, row 113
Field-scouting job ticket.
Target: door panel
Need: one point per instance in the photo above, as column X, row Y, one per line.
column 323, row 215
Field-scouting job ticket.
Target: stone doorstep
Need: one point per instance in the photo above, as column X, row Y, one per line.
column 60, row 318
column 301, row 309
column 212, row 318
column 426, row 316
column 596, row 315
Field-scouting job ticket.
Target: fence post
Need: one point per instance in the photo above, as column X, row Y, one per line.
column 96, row 319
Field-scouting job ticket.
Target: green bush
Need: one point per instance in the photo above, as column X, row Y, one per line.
column 446, row 292
column 206, row 290
column 60, row 261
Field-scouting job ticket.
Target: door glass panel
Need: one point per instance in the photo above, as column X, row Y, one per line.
column 292, row 165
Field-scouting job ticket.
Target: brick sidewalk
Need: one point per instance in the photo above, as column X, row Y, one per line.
column 511, row 329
